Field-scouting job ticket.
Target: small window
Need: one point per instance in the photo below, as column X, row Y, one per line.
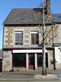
column 34, row 37
column 19, row 38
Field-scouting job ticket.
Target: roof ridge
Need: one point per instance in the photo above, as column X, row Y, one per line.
column 26, row 8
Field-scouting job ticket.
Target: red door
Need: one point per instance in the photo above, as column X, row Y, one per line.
column 31, row 61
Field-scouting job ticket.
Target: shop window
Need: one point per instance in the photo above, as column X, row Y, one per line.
column 39, row 59
column 19, row 60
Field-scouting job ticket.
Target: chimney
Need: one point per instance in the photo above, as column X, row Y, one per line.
column 48, row 6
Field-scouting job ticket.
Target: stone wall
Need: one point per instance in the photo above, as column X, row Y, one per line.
column 7, row 61
column 9, row 35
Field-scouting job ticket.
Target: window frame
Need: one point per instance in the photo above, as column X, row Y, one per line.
column 19, row 41
column 35, row 40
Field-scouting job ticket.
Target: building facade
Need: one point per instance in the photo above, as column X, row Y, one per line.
column 22, row 49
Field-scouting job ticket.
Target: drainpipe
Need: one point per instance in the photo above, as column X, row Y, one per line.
column 54, row 61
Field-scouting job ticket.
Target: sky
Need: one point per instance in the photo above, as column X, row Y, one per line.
column 7, row 5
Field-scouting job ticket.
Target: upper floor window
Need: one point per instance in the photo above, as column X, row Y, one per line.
column 34, row 37
column 19, row 38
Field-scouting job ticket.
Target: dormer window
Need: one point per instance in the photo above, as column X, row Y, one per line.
column 19, row 38
column 34, row 38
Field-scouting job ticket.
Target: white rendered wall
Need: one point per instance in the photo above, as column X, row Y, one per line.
column 58, row 57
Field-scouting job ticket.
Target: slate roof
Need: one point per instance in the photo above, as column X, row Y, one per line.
column 57, row 44
column 25, row 16
column 29, row 16
column 56, row 18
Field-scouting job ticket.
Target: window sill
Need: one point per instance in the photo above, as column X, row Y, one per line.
column 18, row 44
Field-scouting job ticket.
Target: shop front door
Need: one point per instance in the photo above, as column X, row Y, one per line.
column 31, row 61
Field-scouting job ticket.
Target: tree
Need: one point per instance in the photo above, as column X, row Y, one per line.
column 45, row 32
column 45, row 35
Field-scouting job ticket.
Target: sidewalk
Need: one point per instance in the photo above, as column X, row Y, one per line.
column 34, row 72
column 27, row 76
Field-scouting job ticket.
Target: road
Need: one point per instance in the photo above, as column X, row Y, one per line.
column 25, row 76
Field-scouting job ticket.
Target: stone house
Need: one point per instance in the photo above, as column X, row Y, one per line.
column 22, row 40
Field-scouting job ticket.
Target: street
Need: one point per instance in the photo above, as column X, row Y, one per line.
column 27, row 76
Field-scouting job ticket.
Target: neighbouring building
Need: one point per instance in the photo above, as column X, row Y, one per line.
column 0, row 60
column 22, row 47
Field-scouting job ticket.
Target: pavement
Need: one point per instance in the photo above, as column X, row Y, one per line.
column 27, row 76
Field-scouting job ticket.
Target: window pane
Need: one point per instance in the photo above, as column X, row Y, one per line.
column 32, row 38
column 16, row 34
column 16, row 38
column 21, row 38
column 37, row 38
column 21, row 34
column 16, row 41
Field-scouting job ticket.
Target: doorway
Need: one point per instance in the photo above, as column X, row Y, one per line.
column 31, row 61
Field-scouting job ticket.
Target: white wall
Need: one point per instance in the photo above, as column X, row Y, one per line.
column 58, row 57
